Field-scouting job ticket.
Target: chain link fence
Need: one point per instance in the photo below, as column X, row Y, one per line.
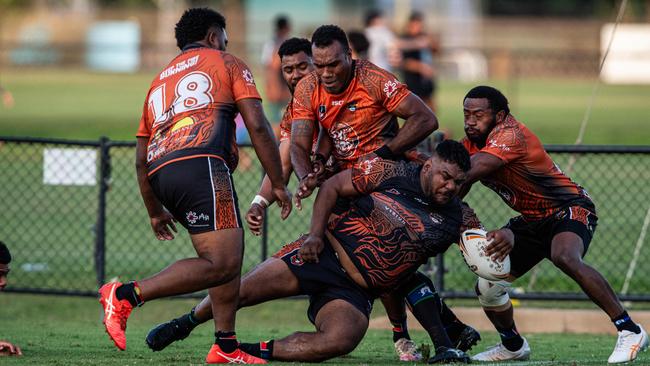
column 72, row 215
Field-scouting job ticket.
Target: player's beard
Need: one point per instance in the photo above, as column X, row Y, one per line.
column 481, row 139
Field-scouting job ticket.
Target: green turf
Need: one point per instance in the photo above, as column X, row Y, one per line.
column 78, row 104
column 68, row 331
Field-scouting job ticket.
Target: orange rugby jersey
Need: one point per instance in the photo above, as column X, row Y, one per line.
column 529, row 182
column 191, row 107
column 285, row 126
column 359, row 119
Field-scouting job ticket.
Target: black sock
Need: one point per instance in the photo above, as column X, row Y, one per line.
column 227, row 341
column 262, row 350
column 424, row 302
column 511, row 338
column 400, row 329
column 624, row 322
column 128, row 291
column 446, row 315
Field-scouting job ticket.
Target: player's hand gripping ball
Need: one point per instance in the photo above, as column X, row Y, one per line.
column 472, row 246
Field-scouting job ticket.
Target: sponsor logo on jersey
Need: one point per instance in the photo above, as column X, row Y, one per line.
column 248, row 76
column 506, row 194
column 337, row 102
column 494, row 143
column 390, row 87
column 366, row 165
column 296, row 260
column 180, row 66
column 436, row 218
column 345, row 140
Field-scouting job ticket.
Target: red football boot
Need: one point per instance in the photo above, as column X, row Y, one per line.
column 116, row 312
column 216, row 355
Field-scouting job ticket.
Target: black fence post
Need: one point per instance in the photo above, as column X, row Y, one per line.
column 100, row 225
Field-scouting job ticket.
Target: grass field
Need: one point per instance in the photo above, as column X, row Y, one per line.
column 68, row 331
column 52, row 228
column 77, row 104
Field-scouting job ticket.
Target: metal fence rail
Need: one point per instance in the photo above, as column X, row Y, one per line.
column 71, row 213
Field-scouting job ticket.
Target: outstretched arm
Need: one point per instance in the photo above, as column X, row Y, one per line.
column 337, row 186
column 266, row 149
column 483, row 164
column 265, row 197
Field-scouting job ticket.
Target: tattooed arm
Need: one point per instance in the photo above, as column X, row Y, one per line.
column 302, row 132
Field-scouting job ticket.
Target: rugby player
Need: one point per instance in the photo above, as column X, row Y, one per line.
column 407, row 209
column 557, row 222
column 295, row 63
column 6, row 348
column 295, row 56
column 184, row 158
column 356, row 105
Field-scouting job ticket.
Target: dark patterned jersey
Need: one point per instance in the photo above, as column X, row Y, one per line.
column 191, row 107
column 529, row 182
column 359, row 119
column 392, row 228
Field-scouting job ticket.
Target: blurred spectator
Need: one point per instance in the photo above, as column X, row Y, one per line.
column 277, row 94
column 359, row 44
column 6, row 348
column 383, row 50
column 418, row 49
column 7, row 98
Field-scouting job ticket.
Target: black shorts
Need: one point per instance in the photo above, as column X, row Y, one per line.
column 533, row 238
column 324, row 281
column 199, row 192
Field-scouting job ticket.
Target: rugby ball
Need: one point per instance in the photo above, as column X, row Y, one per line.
column 472, row 246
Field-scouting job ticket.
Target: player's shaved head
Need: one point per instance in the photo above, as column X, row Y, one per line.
column 5, row 255
column 195, row 23
column 498, row 101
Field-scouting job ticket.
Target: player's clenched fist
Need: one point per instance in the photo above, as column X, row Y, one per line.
column 311, row 248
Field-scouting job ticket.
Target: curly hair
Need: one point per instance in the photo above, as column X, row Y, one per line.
column 498, row 101
column 5, row 256
column 454, row 152
column 325, row 35
column 195, row 24
column 294, row 45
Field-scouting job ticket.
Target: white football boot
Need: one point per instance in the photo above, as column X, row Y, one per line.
column 501, row 353
column 407, row 350
column 628, row 346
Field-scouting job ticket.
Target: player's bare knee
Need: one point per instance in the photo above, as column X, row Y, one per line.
column 566, row 261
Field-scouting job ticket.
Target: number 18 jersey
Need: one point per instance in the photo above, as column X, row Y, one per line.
column 191, row 106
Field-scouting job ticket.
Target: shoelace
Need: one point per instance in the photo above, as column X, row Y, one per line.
column 622, row 341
